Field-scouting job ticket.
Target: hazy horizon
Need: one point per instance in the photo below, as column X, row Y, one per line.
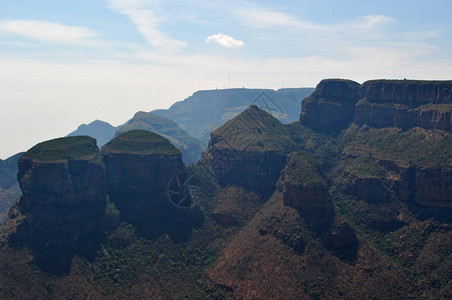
column 67, row 63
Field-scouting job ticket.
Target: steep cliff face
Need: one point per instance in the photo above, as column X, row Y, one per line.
column 250, row 151
column 405, row 104
column 331, row 106
column 63, row 198
column 140, row 166
column 408, row 92
column 380, row 163
column 9, row 188
column 305, row 188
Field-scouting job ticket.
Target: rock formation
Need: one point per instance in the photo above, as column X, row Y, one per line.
column 63, row 199
column 331, row 106
column 305, row 188
column 9, row 188
column 206, row 110
column 189, row 146
column 250, row 151
column 379, row 164
column 139, row 168
column 409, row 92
column 336, row 103
column 405, row 104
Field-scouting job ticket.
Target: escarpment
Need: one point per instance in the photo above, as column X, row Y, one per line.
column 140, row 166
column 62, row 206
column 378, row 164
column 336, row 103
column 250, row 151
column 405, row 104
column 331, row 106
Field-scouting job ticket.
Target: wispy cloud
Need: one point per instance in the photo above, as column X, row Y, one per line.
column 265, row 18
column 225, row 41
column 47, row 31
column 147, row 23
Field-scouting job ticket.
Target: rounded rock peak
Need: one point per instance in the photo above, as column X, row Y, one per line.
column 140, row 142
column 63, row 149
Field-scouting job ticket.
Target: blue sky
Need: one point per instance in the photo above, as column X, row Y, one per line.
column 64, row 63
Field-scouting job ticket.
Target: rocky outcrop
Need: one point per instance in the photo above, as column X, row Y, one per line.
column 336, row 103
column 204, row 111
column 434, row 187
column 331, row 106
column 305, row 188
column 140, row 165
column 189, row 146
column 370, row 189
column 250, row 151
column 63, row 199
column 427, row 186
column 235, row 206
column 409, row 92
column 405, row 104
column 9, row 188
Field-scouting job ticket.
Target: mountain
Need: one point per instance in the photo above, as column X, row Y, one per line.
column 204, row 111
column 100, row 130
column 62, row 206
column 9, row 189
column 139, row 167
column 348, row 210
column 189, row 146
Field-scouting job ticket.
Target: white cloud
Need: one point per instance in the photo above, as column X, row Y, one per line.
column 264, row 18
column 370, row 22
column 225, row 41
column 146, row 23
column 47, row 31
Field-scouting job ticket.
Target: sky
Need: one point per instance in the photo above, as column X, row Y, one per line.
column 65, row 63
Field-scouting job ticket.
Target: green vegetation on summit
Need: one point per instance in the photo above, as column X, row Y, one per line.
column 140, row 141
column 352, row 202
column 253, row 130
column 67, row 148
column 190, row 147
column 304, row 168
column 206, row 110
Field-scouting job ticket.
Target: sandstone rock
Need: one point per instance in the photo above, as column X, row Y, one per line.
column 428, row 186
column 370, row 189
column 63, row 199
column 250, row 151
column 139, row 168
column 408, row 92
column 434, row 187
column 405, row 104
column 331, row 106
column 305, row 188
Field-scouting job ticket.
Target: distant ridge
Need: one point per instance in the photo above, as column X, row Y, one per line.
column 189, row 146
column 100, row 130
column 207, row 110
